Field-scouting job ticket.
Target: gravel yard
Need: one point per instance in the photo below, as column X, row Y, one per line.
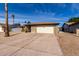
column 69, row 44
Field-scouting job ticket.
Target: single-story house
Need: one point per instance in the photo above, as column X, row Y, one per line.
column 42, row 27
column 70, row 27
column 13, row 28
column 16, row 25
column 1, row 27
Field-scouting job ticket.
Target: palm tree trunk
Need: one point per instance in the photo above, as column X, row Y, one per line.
column 13, row 18
column 6, row 21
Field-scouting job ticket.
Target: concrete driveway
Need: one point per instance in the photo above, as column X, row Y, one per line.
column 29, row 44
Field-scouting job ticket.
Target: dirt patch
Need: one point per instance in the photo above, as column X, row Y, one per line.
column 69, row 44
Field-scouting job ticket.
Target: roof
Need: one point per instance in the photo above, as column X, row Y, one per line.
column 15, row 25
column 42, row 23
column 72, row 23
column 11, row 25
column 1, row 24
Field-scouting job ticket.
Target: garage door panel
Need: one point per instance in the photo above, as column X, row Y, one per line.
column 45, row 29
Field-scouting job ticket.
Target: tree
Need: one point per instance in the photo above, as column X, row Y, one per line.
column 75, row 19
column 6, row 21
column 29, row 27
column 25, row 22
column 28, row 22
column 13, row 18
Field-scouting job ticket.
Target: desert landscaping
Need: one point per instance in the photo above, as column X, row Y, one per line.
column 69, row 44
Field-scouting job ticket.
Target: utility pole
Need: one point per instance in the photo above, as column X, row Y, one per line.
column 6, row 21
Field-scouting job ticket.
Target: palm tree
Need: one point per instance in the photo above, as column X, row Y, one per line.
column 6, row 21
column 13, row 17
column 25, row 22
column 28, row 22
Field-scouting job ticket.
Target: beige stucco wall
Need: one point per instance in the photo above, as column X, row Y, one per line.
column 1, row 29
column 33, row 29
column 77, row 32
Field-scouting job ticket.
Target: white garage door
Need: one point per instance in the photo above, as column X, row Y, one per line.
column 45, row 29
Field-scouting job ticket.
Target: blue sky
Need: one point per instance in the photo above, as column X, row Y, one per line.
column 34, row 12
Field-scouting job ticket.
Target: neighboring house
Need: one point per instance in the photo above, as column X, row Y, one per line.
column 15, row 28
column 42, row 27
column 15, row 25
column 1, row 27
column 70, row 27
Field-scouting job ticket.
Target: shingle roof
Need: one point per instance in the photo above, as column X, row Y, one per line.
column 43, row 23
